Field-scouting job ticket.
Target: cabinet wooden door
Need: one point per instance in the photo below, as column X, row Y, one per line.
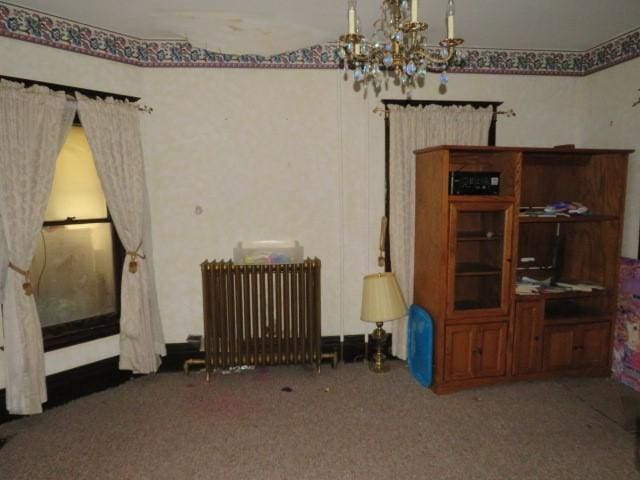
column 527, row 345
column 490, row 354
column 576, row 346
column 594, row 347
column 560, row 347
column 479, row 266
column 475, row 351
column 459, row 352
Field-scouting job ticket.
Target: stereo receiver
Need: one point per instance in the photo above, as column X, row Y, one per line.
column 474, row 183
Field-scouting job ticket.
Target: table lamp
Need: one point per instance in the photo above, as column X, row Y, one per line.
column 382, row 301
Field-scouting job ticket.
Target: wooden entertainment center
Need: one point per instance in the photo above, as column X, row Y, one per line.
column 472, row 249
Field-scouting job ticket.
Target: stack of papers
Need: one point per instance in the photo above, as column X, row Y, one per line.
column 526, row 289
column 580, row 287
column 555, row 209
column 531, row 286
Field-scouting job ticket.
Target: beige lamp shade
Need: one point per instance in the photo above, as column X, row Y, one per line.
column 382, row 299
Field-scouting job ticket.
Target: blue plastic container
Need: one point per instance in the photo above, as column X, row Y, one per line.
column 420, row 345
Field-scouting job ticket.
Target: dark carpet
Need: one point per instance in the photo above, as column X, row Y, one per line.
column 348, row 423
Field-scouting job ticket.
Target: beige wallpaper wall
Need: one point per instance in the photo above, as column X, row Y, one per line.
column 27, row 60
column 611, row 121
column 258, row 152
column 294, row 154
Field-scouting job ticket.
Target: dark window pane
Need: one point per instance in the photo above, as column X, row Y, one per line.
column 73, row 273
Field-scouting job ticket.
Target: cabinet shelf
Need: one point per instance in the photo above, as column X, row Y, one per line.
column 595, row 317
column 482, row 198
column 474, row 305
column 570, row 311
column 476, row 269
column 563, row 219
column 563, row 295
column 477, row 237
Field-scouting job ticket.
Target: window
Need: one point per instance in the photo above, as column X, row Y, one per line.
column 78, row 261
column 446, row 103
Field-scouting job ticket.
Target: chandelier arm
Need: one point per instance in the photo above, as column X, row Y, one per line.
column 440, row 60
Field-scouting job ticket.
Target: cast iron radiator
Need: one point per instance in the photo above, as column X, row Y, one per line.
column 261, row 314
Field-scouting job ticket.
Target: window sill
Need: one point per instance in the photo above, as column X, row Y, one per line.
column 80, row 331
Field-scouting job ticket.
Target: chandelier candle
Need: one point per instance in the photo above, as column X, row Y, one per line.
column 352, row 17
column 414, row 11
column 451, row 10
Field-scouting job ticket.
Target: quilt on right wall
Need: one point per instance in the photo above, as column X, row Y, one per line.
column 626, row 344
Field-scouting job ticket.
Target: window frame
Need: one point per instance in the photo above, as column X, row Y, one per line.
column 84, row 330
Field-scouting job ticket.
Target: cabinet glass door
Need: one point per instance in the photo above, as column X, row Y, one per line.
column 480, row 247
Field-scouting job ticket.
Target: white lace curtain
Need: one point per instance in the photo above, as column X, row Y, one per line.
column 113, row 132
column 412, row 128
column 34, row 123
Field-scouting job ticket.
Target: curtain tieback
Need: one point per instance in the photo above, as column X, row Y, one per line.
column 133, row 264
column 26, row 286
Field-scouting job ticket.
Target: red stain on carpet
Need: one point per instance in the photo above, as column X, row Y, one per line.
column 227, row 405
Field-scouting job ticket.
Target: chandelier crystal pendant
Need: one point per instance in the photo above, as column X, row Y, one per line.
column 397, row 46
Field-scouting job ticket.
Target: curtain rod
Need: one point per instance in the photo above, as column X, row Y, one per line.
column 71, row 91
column 506, row 113
column 141, row 108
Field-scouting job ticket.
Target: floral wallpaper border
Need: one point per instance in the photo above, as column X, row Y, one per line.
column 32, row 26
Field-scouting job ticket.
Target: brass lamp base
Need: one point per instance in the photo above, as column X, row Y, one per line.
column 377, row 364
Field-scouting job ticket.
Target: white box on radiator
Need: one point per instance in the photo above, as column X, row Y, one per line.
column 268, row 252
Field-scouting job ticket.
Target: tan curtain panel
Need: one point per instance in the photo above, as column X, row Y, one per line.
column 412, row 128
column 34, row 123
column 113, row 132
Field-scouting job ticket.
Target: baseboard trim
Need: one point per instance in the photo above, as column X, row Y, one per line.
column 75, row 383
column 94, row 377
column 352, row 349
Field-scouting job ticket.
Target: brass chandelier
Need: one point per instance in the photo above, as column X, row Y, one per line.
column 398, row 46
